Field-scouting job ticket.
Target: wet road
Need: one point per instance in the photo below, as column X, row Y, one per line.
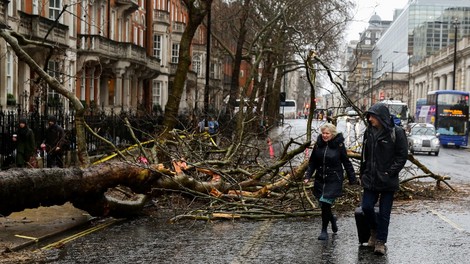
column 435, row 233
column 420, row 232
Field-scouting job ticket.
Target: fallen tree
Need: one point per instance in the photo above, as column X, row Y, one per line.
column 227, row 189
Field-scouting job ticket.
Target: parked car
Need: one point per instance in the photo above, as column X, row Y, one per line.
column 422, row 137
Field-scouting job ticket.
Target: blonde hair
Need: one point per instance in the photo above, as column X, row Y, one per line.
column 330, row 127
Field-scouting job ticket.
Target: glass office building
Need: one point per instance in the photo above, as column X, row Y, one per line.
column 422, row 28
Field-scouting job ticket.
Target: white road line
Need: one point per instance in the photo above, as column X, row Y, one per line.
column 251, row 247
column 447, row 220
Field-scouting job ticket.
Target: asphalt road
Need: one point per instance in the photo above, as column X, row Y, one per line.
column 430, row 232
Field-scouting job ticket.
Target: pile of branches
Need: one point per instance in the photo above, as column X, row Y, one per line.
column 220, row 183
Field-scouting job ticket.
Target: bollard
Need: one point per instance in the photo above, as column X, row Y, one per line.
column 271, row 149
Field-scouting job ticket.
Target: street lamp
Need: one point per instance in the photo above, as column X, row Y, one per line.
column 391, row 92
column 455, row 24
column 409, row 71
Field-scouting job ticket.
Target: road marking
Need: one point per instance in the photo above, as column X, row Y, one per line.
column 80, row 234
column 252, row 246
column 28, row 237
column 447, row 220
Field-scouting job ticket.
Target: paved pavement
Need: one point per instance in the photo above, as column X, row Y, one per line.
column 30, row 226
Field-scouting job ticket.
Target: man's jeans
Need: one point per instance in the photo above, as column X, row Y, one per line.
column 369, row 199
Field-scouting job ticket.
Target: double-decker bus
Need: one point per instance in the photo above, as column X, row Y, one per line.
column 447, row 110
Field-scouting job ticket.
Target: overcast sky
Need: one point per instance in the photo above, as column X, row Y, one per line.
column 366, row 8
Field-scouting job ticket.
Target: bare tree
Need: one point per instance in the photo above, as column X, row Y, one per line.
column 197, row 10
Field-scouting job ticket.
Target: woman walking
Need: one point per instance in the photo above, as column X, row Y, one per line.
column 327, row 161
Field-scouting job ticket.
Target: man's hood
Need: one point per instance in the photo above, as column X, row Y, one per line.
column 381, row 111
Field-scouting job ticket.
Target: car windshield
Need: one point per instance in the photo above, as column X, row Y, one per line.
column 423, row 131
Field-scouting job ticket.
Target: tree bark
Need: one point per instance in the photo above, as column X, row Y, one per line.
column 30, row 188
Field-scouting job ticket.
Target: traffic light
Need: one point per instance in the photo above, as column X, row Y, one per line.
column 282, row 97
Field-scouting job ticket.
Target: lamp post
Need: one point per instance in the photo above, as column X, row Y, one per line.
column 455, row 24
column 391, row 91
column 409, row 74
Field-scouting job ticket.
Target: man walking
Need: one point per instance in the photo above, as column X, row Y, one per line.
column 384, row 154
column 54, row 143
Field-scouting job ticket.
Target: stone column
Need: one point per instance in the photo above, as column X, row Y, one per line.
column 450, row 81
column 118, row 90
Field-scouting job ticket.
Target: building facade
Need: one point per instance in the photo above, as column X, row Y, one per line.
column 422, row 29
column 360, row 65
column 112, row 54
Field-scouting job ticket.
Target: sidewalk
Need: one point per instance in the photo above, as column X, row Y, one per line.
column 30, row 226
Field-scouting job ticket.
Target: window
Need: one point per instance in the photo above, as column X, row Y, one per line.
column 197, row 64
column 175, row 51
column 364, row 64
column 55, row 7
column 102, row 21
column 10, row 9
column 135, row 36
column 157, row 92
column 157, row 46
column 35, row 7
column 94, row 23
column 72, row 26
column 127, row 31
column 92, row 86
column 83, row 85
column 83, row 27
column 119, row 35
column 213, row 71
column 9, row 69
column 54, row 98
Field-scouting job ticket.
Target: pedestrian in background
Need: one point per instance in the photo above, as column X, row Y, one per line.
column 213, row 126
column 201, row 125
column 25, row 144
column 384, row 154
column 54, row 143
column 328, row 161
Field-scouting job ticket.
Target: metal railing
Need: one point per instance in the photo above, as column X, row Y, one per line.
column 110, row 125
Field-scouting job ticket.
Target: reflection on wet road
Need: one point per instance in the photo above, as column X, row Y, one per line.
column 418, row 237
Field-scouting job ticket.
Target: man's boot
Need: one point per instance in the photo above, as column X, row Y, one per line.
column 372, row 238
column 379, row 248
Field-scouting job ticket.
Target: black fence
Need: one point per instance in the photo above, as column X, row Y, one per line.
column 110, row 125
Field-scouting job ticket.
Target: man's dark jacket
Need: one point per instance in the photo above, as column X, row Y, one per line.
column 55, row 137
column 327, row 160
column 382, row 156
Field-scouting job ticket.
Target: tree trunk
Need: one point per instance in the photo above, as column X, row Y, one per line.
column 196, row 16
column 30, row 188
